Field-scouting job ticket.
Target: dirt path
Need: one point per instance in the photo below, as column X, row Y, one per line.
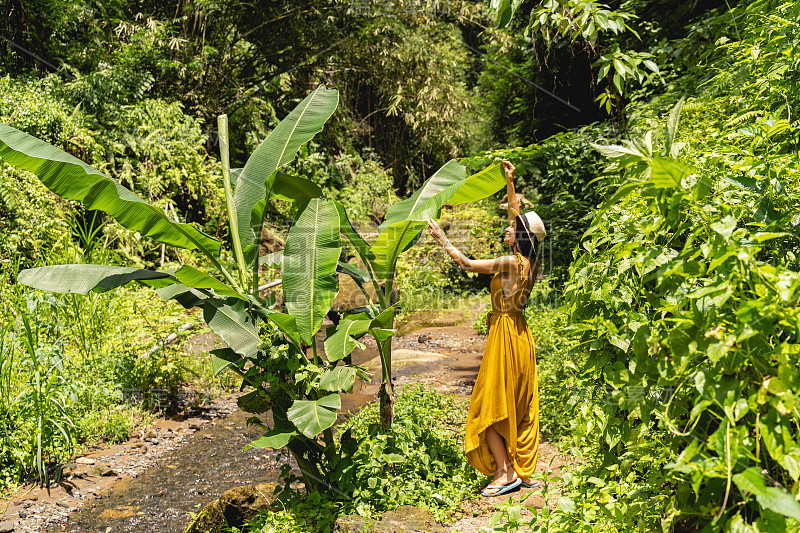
column 455, row 373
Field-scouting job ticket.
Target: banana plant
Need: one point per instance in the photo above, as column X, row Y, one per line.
column 299, row 386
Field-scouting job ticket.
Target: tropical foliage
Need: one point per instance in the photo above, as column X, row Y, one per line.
column 301, row 389
column 672, row 231
column 683, row 298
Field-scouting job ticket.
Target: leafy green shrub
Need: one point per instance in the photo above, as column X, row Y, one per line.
column 30, row 223
column 420, row 461
column 49, row 345
column 685, row 298
column 301, row 513
column 160, row 153
column 357, row 181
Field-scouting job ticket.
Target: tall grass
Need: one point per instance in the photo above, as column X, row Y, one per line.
column 44, row 398
column 65, row 364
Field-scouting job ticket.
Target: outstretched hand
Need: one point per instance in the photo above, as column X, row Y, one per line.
column 436, row 231
column 509, row 169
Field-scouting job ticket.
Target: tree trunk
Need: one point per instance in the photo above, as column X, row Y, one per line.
column 386, row 396
column 312, row 477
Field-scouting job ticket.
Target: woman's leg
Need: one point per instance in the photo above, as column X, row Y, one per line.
column 504, row 474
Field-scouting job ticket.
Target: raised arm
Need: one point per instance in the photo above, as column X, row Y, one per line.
column 482, row 266
column 513, row 203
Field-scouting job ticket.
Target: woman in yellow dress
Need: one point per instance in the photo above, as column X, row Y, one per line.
column 502, row 436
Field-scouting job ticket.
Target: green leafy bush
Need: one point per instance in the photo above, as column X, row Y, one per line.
column 685, row 299
column 49, row 344
column 357, row 181
column 30, row 223
column 420, row 461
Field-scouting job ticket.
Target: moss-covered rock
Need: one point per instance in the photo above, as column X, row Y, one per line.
column 234, row 508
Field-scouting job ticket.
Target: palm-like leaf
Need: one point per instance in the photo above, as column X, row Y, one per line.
column 309, row 266
column 191, row 277
column 404, row 220
column 71, row 178
column 392, row 241
column 81, row 279
column 313, row 417
column 280, row 146
column 343, row 341
column 451, row 173
column 231, row 321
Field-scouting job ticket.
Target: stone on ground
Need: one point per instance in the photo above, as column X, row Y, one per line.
column 233, row 509
column 404, row 357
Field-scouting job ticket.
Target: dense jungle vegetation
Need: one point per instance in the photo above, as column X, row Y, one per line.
column 658, row 141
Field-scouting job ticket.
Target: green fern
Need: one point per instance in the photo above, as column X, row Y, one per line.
column 743, row 117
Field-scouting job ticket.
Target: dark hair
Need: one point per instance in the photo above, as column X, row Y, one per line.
column 522, row 239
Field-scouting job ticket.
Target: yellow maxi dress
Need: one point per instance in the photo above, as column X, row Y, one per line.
column 506, row 393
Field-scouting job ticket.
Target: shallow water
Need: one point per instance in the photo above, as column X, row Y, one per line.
column 160, row 499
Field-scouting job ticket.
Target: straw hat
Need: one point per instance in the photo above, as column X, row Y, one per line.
column 533, row 226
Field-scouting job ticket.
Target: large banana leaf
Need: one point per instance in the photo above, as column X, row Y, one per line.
column 289, row 188
column 392, row 241
column 309, row 266
column 280, row 146
column 223, row 358
column 450, row 174
column 478, row 186
column 404, row 220
column 71, row 178
column 184, row 295
column 343, row 341
column 284, row 187
column 294, row 188
column 361, row 246
column 231, row 321
column 313, row 417
column 191, row 277
column 338, row 379
column 84, row 278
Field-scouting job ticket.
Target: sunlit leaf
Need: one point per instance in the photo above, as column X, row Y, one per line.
column 71, row 178
column 312, row 417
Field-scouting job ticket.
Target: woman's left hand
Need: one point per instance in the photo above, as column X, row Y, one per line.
column 436, row 231
column 509, row 169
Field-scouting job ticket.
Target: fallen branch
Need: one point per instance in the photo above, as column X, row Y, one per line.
column 171, row 338
column 270, row 285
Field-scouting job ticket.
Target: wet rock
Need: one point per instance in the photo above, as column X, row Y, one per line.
column 101, row 470
column 6, row 526
column 68, row 469
column 404, row 519
column 403, row 358
column 234, row 508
